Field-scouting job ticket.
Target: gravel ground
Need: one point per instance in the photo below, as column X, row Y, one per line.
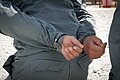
column 98, row 69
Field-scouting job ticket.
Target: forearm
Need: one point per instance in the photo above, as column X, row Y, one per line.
column 87, row 23
column 27, row 29
column 85, row 30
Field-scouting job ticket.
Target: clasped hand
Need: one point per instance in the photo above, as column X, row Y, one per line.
column 92, row 46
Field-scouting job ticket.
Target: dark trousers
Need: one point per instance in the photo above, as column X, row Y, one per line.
column 111, row 76
column 8, row 78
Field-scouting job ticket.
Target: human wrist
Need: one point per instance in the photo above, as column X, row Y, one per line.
column 83, row 38
column 58, row 42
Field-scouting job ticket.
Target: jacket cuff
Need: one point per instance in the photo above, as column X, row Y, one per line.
column 86, row 29
column 58, row 42
column 82, row 38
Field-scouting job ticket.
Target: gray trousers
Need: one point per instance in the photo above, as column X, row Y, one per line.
column 44, row 66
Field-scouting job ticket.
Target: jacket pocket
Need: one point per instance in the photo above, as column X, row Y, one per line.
column 46, row 65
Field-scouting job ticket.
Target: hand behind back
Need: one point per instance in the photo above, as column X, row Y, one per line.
column 94, row 47
column 71, row 47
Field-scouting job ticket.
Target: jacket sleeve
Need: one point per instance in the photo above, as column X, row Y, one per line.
column 87, row 23
column 27, row 29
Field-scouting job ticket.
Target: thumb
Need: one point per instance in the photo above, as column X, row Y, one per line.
column 77, row 43
column 105, row 45
column 99, row 42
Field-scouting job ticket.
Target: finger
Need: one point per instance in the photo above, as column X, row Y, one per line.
column 96, row 51
column 105, row 44
column 96, row 55
column 96, row 48
column 77, row 43
column 66, row 56
column 79, row 50
column 73, row 52
column 103, row 48
column 98, row 42
column 68, row 53
column 99, row 52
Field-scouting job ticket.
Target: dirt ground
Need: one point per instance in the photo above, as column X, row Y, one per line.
column 98, row 69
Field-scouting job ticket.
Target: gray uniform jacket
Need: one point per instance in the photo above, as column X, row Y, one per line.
column 37, row 27
column 114, row 45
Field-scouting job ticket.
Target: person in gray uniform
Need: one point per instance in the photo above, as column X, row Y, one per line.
column 114, row 45
column 55, row 39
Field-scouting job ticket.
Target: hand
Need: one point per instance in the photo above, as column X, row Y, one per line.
column 94, row 47
column 71, row 47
